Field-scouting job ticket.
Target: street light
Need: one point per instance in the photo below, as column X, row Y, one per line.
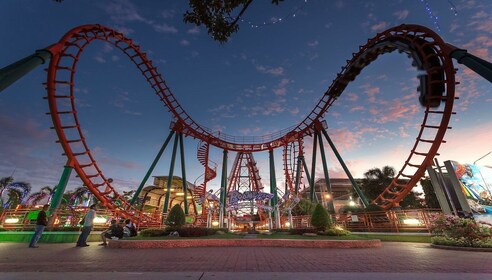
column 475, row 162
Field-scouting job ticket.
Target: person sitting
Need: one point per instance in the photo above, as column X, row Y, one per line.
column 129, row 230
column 114, row 231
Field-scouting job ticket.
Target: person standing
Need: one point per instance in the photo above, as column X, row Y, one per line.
column 41, row 223
column 87, row 226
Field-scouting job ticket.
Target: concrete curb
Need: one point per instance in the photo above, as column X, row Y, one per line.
column 456, row 248
column 187, row 243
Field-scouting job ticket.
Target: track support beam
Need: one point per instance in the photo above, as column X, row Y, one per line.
column 152, row 166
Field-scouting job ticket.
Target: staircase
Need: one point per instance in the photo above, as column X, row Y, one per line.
column 210, row 172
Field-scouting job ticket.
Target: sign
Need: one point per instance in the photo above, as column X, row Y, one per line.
column 235, row 196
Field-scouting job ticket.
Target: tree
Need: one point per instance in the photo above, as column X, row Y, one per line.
column 217, row 16
column 304, row 207
column 430, row 196
column 35, row 198
column 376, row 180
column 176, row 217
column 320, row 218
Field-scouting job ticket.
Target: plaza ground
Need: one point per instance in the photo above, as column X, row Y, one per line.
column 394, row 260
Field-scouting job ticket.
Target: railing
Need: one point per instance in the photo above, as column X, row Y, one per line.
column 25, row 219
column 417, row 220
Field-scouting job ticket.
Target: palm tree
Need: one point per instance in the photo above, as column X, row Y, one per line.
column 35, row 198
column 376, row 180
column 16, row 192
column 81, row 195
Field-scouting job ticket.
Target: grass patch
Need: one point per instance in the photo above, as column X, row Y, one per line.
column 396, row 238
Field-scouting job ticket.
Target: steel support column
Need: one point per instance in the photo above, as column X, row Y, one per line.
column 478, row 65
column 273, row 189
column 298, row 175
column 183, row 173
column 331, row 208
column 223, row 191
column 312, row 187
column 18, row 69
column 60, row 188
column 349, row 175
column 152, row 166
column 170, row 175
column 308, row 177
column 273, row 180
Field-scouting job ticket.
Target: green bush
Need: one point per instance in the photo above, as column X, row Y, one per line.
column 303, row 208
column 176, row 217
column 320, row 218
column 2, row 229
column 197, row 232
column 460, row 242
column 281, row 230
column 335, row 231
column 152, row 232
column 301, row 231
column 351, row 209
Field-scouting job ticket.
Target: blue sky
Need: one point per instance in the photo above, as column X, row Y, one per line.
column 263, row 80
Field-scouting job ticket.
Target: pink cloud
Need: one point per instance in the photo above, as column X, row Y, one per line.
column 380, row 26
column 357, row 108
column 280, row 91
column 279, row 71
column 294, row 111
column 352, row 96
column 401, row 15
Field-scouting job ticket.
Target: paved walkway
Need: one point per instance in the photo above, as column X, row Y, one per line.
column 392, row 260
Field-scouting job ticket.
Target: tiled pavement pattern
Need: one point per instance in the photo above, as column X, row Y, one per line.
column 390, row 258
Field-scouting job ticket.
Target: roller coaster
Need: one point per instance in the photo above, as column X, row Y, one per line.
column 429, row 54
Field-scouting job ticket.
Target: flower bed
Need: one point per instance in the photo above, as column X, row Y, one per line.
column 460, row 232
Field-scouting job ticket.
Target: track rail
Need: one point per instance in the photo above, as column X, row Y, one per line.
column 425, row 47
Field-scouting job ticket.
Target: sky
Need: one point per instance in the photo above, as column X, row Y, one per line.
column 264, row 79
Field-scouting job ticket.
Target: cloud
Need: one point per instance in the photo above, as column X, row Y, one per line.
column 164, row 28
column 168, row 14
column 280, row 91
column 357, row 108
column 294, row 111
column 279, row 71
column 401, row 15
column 123, row 11
column 195, row 30
column 396, row 111
column 313, row 43
column 224, row 111
column 185, row 42
column 352, row 96
column 283, row 82
column 266, row 109
column 380, row 26
column 100, row 59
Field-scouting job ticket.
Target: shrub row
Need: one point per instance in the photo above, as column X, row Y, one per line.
column 183, row 231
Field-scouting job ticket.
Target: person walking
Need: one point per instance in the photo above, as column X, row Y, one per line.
column 87, row 226
column 41, row 223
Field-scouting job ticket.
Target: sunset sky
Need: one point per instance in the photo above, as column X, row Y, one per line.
column 264, row 79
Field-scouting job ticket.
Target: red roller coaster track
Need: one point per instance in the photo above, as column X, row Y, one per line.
column 428, row 51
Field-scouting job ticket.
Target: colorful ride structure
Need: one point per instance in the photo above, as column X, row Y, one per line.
column 428, row 52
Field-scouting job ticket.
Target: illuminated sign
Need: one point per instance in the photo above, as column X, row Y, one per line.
column 235, row 196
